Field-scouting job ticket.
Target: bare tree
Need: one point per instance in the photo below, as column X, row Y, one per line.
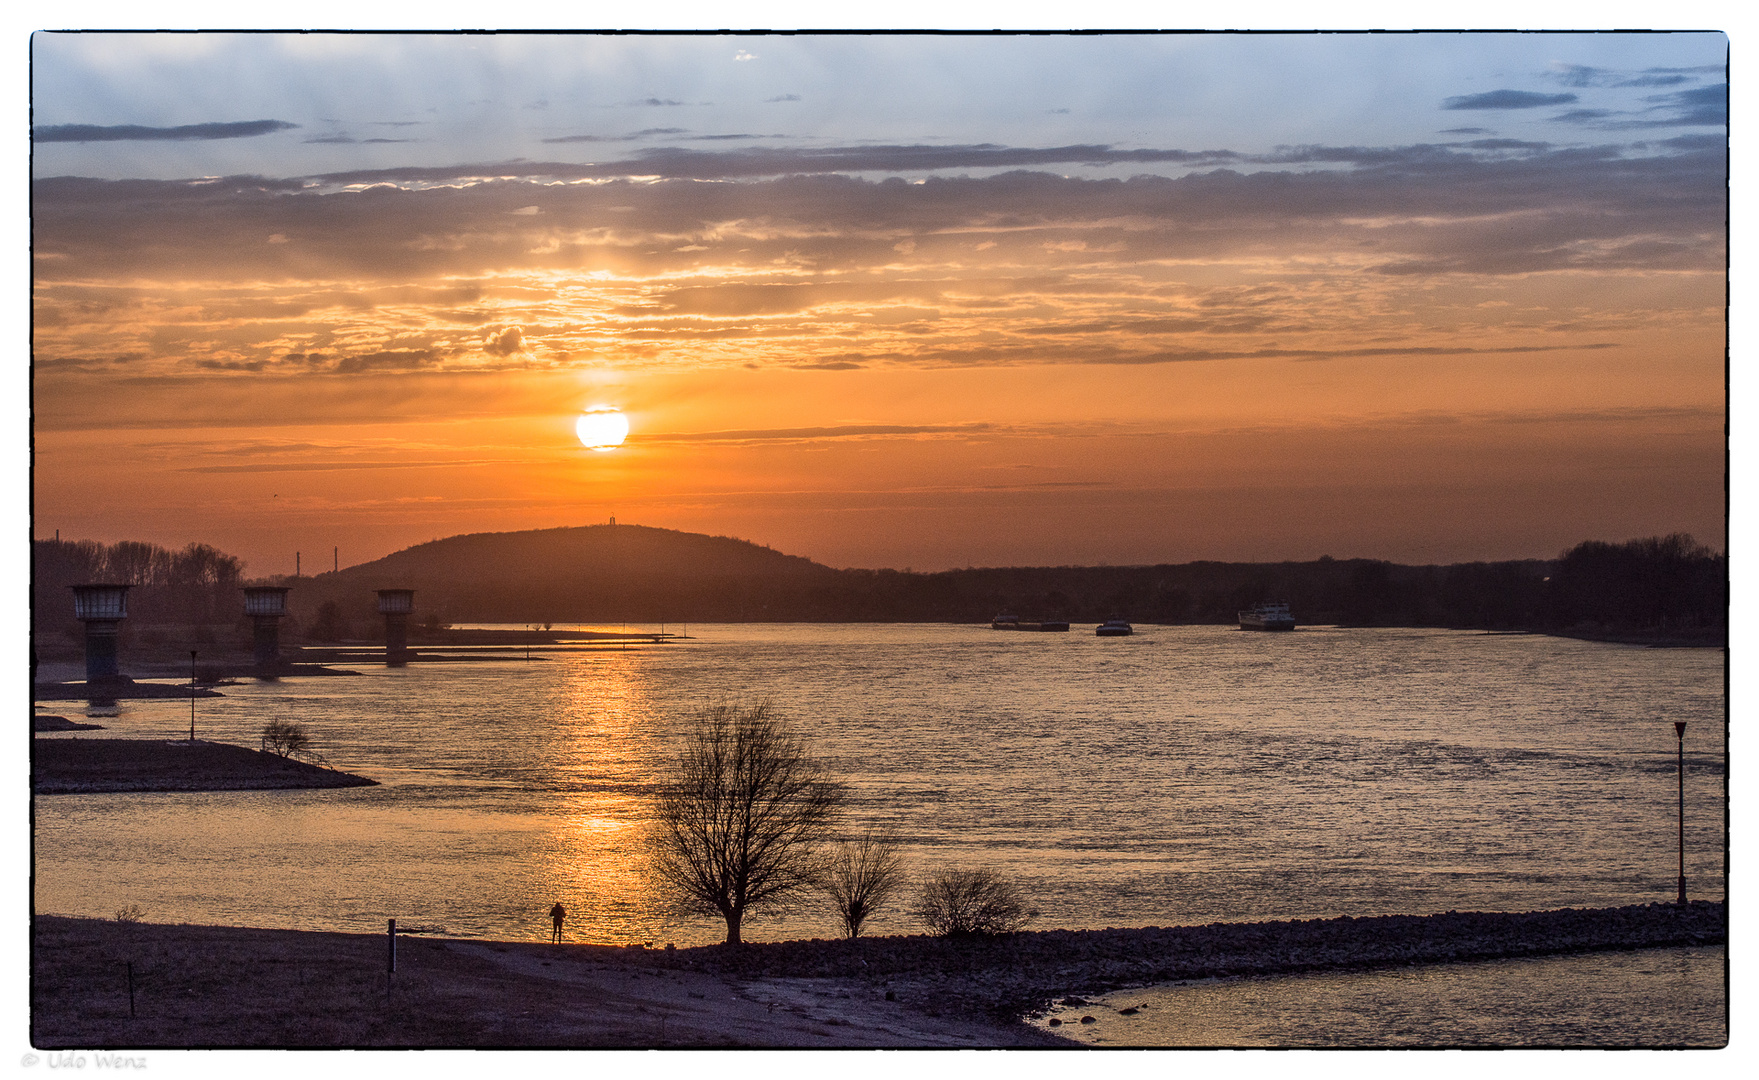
column 954, row 903
column 741, row 816
column 290, row 739
column 861, row 876
column 287, row 738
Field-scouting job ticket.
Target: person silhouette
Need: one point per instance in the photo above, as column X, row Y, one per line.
column 557, row 914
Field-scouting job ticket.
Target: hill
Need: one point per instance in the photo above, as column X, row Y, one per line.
column 601, row 573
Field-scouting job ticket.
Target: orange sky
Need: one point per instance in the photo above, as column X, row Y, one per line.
column 1489, row 347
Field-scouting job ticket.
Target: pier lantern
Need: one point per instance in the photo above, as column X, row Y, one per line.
column 266, row 605
column 101, row 608
column 396, row 605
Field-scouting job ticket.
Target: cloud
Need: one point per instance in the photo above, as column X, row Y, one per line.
column 1581, row 75
column 506, row 342
column 1654, row 80
column 631, row 137
column 1703, row 105
column 746, row 163
column 1324, row 253
column 840, row 431
column 901, row 158
column 136, row 133
column 348, row 466
column 1507, row 99
column 1508, row 144
column 387, row 360
column 1717, row 143
column 684, row 163
column 781, row 97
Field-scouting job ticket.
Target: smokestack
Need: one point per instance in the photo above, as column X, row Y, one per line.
column 396, row 605
column 101, row 608
column 266, row 604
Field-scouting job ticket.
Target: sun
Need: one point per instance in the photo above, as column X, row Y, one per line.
column 602, row 428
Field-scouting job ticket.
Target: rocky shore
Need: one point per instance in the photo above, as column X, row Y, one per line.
column 1018, row 975
column 81, row 765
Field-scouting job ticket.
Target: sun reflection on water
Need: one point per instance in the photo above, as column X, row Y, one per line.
column 1183, row 775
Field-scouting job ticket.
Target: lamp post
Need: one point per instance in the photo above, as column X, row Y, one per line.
column 192, row 697
column 1679, row 730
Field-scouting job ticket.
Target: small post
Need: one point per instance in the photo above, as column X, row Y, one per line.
column 1679, row 730
column 131, row 989
column 391, row 932
column 192, row 697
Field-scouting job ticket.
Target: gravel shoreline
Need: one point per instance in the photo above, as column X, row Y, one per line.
column 1019, row 975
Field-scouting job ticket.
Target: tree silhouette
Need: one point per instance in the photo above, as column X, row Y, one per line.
column 861, row 876
column 741, row 815
column 960, row 903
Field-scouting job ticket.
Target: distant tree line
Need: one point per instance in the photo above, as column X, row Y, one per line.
column 195, row 585
column 1660, row 586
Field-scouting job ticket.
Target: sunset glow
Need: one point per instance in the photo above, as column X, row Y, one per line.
column 1137, row 299
column 602, row 428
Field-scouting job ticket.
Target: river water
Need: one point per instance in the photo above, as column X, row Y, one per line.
column 1182, row 775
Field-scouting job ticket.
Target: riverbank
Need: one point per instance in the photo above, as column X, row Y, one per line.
column 86, row 766
column 1021, row 974
column 218, row 986
column 214, row 987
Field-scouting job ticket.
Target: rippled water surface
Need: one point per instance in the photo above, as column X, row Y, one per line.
column 1182, row 775
column 1648, row 998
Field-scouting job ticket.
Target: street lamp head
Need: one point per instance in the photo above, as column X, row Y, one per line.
column 1679, row 728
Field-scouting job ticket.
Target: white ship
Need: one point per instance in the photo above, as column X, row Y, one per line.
column 1269, row 616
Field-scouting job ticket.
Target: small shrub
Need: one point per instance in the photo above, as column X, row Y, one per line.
column 861, row 876
column 955, row 903
column 130, row 914
column 288, row 738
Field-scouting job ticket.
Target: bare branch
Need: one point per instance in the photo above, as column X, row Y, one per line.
column 954, row 903
column 862, row 876
column 741, row 815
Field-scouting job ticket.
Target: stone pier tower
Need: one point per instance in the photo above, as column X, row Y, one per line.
column 396, row 605
column 101, row 608
column 266, row 605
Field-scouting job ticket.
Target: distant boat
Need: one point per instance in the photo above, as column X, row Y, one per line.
column 1113, row 628
column 1004, row 621
column 1273, row 615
